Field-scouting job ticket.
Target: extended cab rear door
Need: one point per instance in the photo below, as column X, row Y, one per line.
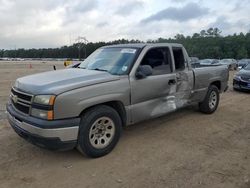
column 184, row 76
column 153, row 96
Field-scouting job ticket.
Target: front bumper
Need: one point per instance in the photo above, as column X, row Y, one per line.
column 54, row 135
column 241, row 85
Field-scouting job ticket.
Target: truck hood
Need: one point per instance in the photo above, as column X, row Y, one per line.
column 56, row 82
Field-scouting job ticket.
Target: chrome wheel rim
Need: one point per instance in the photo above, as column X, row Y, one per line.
column 102, row 132
column 212, row 100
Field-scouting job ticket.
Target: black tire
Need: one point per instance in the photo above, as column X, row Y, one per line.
column 87, row 122
column 204, row 105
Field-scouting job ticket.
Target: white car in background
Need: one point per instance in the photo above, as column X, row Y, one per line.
column 209, row 62
column 231, row 63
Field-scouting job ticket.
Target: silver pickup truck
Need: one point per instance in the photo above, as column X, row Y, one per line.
column 119, row 85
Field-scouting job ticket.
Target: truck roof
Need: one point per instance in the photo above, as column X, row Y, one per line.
column 142, row 45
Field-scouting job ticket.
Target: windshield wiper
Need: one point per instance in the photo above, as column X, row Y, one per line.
column 98, row 69
column 81, row 67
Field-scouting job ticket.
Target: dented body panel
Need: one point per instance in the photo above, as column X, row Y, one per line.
column 153, row 96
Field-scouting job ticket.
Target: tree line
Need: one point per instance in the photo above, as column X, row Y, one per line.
column 205, row 44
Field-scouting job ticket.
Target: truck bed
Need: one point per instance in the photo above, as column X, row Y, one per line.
column 204, row 76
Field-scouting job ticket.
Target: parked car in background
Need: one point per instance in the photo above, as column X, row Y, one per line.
column 231, row 63
column 208, row 61
column 241, row 80
column 243, row 62
column 194, row 61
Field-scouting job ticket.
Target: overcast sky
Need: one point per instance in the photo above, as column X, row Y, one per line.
column 54, row 23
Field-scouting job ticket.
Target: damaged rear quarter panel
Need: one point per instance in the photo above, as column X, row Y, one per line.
column 204, row 77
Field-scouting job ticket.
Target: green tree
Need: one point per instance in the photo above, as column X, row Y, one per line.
column 242, row 53
column 204, row 44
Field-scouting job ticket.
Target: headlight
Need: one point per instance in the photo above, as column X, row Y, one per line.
column 42, row 107
column 44, row 99
column 43, row 114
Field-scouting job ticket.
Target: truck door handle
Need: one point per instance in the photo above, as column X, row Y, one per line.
column 171, row 82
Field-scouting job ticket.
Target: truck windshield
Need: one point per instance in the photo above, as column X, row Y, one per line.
column 116, row 61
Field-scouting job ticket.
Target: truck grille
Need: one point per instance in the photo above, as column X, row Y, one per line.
column 21, row 101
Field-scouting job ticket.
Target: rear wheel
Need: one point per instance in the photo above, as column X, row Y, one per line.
column 99, row 132
column 211, row 101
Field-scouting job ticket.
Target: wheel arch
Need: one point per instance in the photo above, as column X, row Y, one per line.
column 116, row 105
column 217, row 84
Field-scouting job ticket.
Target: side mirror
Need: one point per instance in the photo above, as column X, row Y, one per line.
column 143, row 71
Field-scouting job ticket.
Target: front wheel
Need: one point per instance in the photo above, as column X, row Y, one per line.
column 100, row 130
column 211, row 101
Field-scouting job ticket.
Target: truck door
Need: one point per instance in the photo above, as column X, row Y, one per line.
column 184, row 76
column 153, row 96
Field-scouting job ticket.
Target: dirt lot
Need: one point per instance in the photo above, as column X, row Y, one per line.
column 183, row 149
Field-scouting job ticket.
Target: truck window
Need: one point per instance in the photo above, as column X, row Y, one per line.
column 159, row 59
column 178, row 59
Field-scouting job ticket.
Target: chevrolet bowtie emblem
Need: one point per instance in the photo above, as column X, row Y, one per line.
column 14, row 98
